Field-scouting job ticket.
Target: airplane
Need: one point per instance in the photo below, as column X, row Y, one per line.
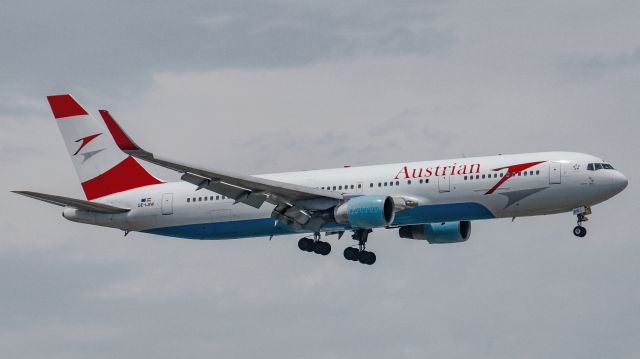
column 432, row 201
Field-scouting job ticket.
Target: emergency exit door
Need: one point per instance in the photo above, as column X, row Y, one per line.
column 555, row 172
column 167, row 203
column 444, row 183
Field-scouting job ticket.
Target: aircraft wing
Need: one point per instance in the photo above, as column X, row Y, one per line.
column 291, row 200
column 72, row 202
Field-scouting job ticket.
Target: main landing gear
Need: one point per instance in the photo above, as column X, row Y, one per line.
column 360, row 254
column 581, row 213
column 314, row 245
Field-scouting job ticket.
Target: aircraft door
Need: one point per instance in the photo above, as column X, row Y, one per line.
column 444, row 183
column 167, row 203
column 555, row 172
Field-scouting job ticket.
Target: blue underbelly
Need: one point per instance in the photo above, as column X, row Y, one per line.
column 262, row 227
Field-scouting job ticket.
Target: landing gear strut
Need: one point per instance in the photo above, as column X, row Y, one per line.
column 360, row 254
column 581, row 213
column 314, row 245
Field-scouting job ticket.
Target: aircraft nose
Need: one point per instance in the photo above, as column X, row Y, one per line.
column 619, row 182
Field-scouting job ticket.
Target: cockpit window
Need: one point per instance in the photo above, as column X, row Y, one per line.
column 599, row 166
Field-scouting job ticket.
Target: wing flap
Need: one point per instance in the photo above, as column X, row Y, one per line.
column 238, row 194
column 72, row 202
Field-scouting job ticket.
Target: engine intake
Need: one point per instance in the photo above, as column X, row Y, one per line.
column 366, row 212
column 446, row 232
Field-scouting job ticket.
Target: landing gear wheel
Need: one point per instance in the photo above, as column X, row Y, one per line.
column 579, row 231
column 306, row 244
column 322, row 248
column 367, row 257
column 360, row 254
column 351, row 254
column 581, row 213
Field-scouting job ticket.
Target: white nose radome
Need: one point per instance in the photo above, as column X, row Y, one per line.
column 619, row 182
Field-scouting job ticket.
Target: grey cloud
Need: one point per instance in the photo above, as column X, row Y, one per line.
column 95, row 46
column 522, row 289
column 596, row 65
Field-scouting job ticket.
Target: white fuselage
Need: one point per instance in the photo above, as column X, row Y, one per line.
column 444, row 190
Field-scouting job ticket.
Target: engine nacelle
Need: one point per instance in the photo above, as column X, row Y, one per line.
column 366, row 212
column 446, row 232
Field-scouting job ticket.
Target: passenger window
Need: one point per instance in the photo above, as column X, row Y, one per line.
column 501, row 174
column 371, row 185
column 421, row 181
column 217, row 198
column 339, row 187
column 379, row 184
column 385, row 184
column 465, row 178
column 334, row 188
column 426, row 181
column 525, row 173
column 408, row 181
column 199, row 199
column 188, row 199
column 538, row 172
column 205, row 198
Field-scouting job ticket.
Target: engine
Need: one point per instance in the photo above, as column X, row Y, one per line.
column 366, row 212
column 446, row 232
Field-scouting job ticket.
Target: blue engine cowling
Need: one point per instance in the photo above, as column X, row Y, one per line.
column 446, row 232
column 366, row 212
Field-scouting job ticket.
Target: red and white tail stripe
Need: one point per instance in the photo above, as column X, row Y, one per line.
column 102, row 167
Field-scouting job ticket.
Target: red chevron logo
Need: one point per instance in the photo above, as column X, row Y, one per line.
column 511, row 170
column 85, row 141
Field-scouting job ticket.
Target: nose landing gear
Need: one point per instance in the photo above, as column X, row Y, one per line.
column 581, row 213
column 360, row 254
column 314, row 245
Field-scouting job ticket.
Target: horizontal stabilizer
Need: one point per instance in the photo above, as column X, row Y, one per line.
column 72, row 202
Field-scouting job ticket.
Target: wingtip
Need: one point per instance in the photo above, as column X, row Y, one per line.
column 120, row 137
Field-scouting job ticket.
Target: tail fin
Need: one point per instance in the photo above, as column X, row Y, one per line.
column 102, row 167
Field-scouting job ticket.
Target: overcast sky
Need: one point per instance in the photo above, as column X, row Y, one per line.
column 267, row 86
